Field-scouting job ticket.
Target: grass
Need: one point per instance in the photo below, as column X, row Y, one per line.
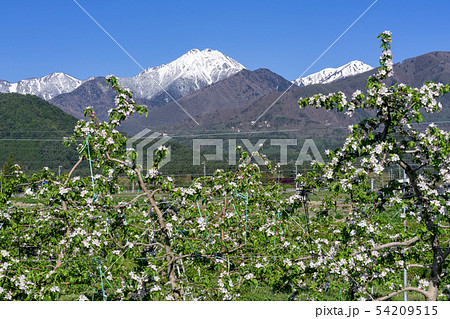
column 263, row 293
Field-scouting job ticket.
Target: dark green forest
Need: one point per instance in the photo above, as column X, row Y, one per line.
column 32, row 131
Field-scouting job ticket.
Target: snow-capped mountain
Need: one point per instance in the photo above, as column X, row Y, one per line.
column 331, row 74
column 191, row 71
column 4, row 86
column 45, row 87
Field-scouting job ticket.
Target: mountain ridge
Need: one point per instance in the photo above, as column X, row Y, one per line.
column 240, row 88
column 192, row 71
column 329, row 75
column 45, row 87
column 285, row 113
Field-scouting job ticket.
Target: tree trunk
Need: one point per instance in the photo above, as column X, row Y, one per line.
column 177, row 291
column 436, row 270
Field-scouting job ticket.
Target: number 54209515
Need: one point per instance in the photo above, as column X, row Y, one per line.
column 406, row 310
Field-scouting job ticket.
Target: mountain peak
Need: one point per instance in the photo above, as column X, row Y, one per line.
column 207, row 50
column 332, row 74
column 193, row 51
column 45, row 87
column 193, row 70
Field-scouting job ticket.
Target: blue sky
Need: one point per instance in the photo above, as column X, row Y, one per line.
column 41, row 37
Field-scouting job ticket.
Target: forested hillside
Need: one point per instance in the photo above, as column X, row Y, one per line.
column 33, row 130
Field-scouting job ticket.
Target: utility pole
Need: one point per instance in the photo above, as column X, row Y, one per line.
column 59, row 171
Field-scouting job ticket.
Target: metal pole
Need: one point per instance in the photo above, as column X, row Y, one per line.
column 59, row 171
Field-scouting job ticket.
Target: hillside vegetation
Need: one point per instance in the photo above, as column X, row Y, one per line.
column 32, row 130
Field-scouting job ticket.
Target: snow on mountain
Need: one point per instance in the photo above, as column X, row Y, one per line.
column 4, row 86
column 331, row 74
column 45, row 87
column 192, row 71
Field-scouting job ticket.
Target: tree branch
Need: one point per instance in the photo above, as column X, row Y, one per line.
column 387, row 126
column 445, row 254
column 393, row 244
column 115, row 159
column 72, row 170
column 419, row 266
column 149, row 245
column 303, row 258
column 395, row 293
column 131, row 202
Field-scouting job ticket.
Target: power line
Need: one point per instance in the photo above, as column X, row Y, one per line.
column 320, row 56
column 136, row 62
column 218, row 133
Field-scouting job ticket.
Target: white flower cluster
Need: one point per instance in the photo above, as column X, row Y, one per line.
column 54, row 289
column 249, row 276
column 64, row 190
column 23, row 284
column 428, row 94
column 140, row 281
column 152, row 173
column 29, row 192
column 294, row 198
column 201, row 223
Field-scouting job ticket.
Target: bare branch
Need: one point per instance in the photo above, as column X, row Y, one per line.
column 30, row 183
column 117, row 244
column 420, row 167
column 131, row 202
column 387, row 127
column 149, row 245
column 397, row 244
column 419, row 266
column 304, row 258
column 393, row 244
column 395, row 293
column 115, row 159
column 72, row 170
